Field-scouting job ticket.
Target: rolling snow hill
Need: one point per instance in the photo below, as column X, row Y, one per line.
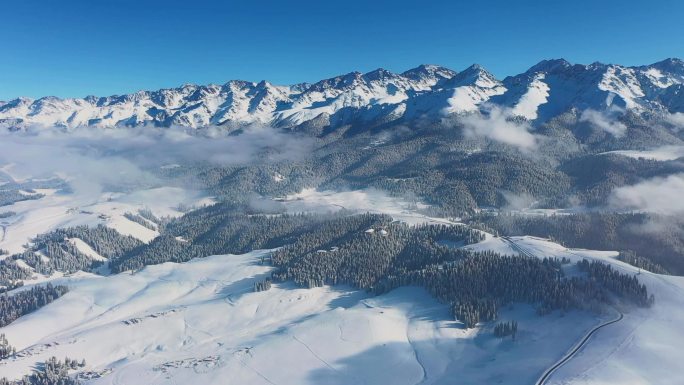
column 201, row 321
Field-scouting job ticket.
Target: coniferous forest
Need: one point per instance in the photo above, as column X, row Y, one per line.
column 256, row 192
column 51, row 372
column 658, row 250
column 15, row 305
column 368, row 251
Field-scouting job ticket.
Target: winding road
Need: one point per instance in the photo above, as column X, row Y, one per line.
column 547, row 374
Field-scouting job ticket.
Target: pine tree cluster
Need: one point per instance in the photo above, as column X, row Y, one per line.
column 504, row 329
column 264, row 285
column 23, row 302
column 141, row 221
column 474, row 284
column 621, row 284
column 658, row 251
column 6, row 350
column 50, row 372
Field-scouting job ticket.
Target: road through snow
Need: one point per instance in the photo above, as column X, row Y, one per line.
column 547, row 374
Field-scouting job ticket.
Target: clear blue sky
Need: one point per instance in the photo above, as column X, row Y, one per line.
column 72, row 48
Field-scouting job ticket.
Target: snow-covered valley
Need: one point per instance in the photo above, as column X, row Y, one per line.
column 201, row 321
column 350, row 193
column 372, row 228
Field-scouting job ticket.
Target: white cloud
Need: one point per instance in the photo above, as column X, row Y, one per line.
column 498, row 127
column 656, row 195
column 662, row 153
column 605, row 120
column 676, row 119
column 520, row 201
column 93, row 159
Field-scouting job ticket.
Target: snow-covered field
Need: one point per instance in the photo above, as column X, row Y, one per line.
column 645, row 347
column 201, row 322
column 58, row 209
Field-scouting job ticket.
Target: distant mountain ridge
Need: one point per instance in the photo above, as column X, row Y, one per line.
column 546, row 90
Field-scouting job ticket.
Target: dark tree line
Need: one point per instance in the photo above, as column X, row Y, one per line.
column 24, row 302
column 624, row 285
column 12, row 275
column 474, row 284
column 371, row 251
column 8, row 197
column 505, row 329
column 657, row 239
column 596, row 176
column 220, row 229
column 477, row 285
column 12, row 191
column 454, row 174
column 368, row 251
column 62, row 255
column 342, row 251
column 106, row 241
column 264, row 285
column 141, row 221
column 50, row 372
column 6, row 350
column 641, row 262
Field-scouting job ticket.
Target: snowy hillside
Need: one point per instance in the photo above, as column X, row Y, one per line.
column 544, row 91
column 389, row 249
column 201, row 321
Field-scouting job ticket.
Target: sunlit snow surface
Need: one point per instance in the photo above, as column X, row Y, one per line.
column 59, row 209
column 200, row 322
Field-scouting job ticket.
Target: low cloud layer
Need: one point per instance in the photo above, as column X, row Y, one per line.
column 676, row 119
column 520, row 201
column 605, row 120
column 656, row 195
column 92, row 158
column 498, row 126
column 662, row 153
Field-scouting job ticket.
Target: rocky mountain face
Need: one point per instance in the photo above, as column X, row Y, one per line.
column 547, row 90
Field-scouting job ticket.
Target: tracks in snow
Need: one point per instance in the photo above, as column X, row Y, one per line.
column 578, row 346
column 547, row 374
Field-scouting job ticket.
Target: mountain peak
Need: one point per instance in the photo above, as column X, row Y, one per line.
column 378, row 74
column 433, row 70
column 429, row 74
column 670, row 65
column 337, row 82
column 474, row 75
column 263, row 84
column 547, row 89
column 474, row 67
column 550, row 65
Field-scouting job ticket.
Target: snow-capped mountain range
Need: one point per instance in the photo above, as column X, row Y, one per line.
column 547, row 89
